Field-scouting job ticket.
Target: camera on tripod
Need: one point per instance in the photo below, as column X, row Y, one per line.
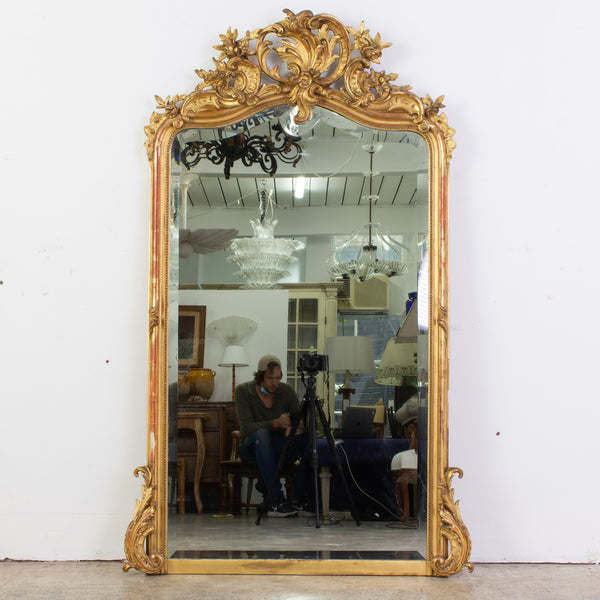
column 311, row 362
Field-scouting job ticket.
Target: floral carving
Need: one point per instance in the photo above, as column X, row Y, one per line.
column 432, row 107
column 309, row 63
column 231, row 47
column 371, row 49
column 171, row 108
column 142, row 525
column 453, row 530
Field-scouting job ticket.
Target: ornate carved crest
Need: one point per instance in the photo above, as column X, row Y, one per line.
column 453, row 530
column 307, row 61
column 142, row 525
column 315, row 61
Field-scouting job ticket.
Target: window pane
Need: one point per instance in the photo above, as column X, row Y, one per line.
column 308, row 312
column 291, row 364
column 307, row 336
column 291, row 342
column 292, row 310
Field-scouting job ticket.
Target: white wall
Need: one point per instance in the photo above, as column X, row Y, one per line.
column 269, row 308
column 78, row 88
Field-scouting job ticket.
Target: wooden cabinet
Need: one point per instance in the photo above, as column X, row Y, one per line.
column 219, row 421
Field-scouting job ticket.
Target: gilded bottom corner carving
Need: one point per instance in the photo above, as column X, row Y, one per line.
column 140, row 528
column 453, row 530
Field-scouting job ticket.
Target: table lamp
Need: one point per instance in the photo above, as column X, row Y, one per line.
column 349, row 354
column 233, row 330
column 234, row 356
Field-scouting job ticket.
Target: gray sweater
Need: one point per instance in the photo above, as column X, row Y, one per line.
column 254, row 415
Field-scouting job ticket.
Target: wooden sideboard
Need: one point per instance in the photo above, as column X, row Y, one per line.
column 219, row 421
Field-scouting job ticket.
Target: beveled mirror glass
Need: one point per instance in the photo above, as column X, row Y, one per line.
column 299, row 99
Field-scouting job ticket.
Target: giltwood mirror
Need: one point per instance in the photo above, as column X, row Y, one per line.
column 304, row 91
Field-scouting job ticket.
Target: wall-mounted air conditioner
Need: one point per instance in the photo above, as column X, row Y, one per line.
column 373, row 294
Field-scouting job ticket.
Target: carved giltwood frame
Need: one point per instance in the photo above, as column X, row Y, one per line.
column 328, row 65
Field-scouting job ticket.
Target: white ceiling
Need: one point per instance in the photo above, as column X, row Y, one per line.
column 333, row 161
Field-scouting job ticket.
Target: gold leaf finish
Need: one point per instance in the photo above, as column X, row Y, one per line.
column 142, row 526
column 306, row 61
column 153, row 318
column 453, row 530
column 311, row 65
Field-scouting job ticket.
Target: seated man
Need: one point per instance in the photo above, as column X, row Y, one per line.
column 265, row 408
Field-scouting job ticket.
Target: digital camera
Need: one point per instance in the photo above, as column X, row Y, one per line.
column 311, row 362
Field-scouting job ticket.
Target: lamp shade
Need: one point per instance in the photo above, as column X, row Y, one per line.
column 232, row 329
column 234, row 356
column 409, row 330
column 398, row 361
column 350, row 353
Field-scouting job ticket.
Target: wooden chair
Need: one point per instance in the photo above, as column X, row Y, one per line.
column 403, row 477
column 177, row 485
column 234, row 469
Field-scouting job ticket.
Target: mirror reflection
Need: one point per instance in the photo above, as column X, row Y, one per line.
column 309, row 243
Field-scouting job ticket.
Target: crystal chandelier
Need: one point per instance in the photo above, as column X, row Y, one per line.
column 263, row 259
column 375, row 252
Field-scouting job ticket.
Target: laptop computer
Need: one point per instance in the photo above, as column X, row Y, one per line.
column 358, row 423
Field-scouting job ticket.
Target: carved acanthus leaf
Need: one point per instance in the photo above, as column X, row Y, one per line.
column 308, row 58
column 442, row 122
column 235, row 82
column 142, row 526
column 453, row 530
column 367, row 87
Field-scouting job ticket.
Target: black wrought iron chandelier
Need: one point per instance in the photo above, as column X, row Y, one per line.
column 264, row 150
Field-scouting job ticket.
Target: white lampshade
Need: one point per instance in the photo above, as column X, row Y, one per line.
column 350, row 353
column 409, row 330
column 399, row 360
column 232, row 329
column 234, row 356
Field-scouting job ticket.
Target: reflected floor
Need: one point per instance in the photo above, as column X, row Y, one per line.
column 202, row 534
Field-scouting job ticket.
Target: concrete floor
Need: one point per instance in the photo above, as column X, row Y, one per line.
column 106, row 581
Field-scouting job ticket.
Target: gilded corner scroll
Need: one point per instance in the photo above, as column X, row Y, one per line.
column 140, row 528
column 453, row 530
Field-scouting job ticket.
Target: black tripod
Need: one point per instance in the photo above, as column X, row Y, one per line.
column 309, row 407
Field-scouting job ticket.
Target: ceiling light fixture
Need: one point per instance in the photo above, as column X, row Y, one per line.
column 263, row 259
column 300, row 183
column 372, row 253
column 264, row 150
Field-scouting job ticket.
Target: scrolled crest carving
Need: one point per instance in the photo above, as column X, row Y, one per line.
column 306, row 61
column 142, row 526
column 309, row 59
column 453, row 530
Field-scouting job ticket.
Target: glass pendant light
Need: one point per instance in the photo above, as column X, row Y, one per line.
column 370, row 251
column 263, row 259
